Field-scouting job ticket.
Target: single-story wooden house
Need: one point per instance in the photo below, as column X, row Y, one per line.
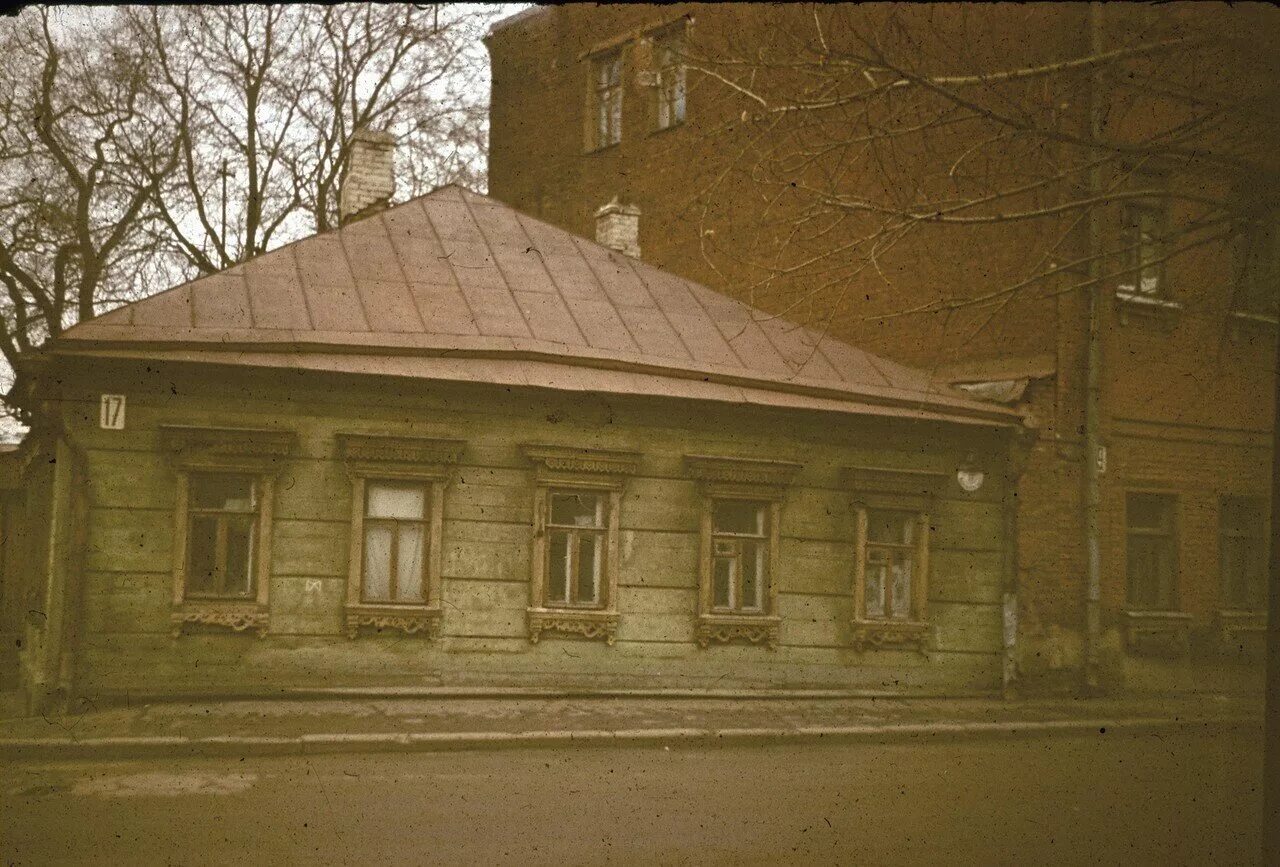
column 451, row 445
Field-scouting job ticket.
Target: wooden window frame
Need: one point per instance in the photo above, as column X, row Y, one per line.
column 598, row 97
column 257, row 453
column 1169, row 533
column 377, row 458
column 677, row 32
column 913, row 492
column 601, row 471
column 574, row 533
column 756, row 480
column 1157, row 631
column 1257, row 255
column 1236, row 622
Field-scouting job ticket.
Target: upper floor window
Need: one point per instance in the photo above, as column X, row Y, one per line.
column 1152, row 560
column 1242, row 553
column 222, row 536
column 668, row 50
column 607, row 99
column 1257, row 287
column 1142, row 233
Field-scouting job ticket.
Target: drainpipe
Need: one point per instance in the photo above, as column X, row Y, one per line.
column 1271, row 761
column 1093, row 385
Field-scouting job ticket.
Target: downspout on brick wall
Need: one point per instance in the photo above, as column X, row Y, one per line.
column 1091, row 680
column 370, row 180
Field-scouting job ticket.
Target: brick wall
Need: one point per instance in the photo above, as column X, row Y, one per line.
column 1187, row 400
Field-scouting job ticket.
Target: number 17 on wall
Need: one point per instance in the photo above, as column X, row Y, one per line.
column 111, row 412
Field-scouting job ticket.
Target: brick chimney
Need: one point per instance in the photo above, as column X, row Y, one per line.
column 618, row 228
column 370, row 180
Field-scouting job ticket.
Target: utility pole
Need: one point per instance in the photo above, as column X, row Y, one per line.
column 1271, row 758
column 1093, row 382
column 224, row 174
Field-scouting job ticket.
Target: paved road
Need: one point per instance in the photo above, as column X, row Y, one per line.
column 1131, row 799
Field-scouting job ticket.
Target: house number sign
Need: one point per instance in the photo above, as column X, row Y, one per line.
column 111, row 412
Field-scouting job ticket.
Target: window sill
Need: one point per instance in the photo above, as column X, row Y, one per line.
column 1241, row 324
column 1132, row 303
column 232, row 615
column 599, row 149
column 659, row 130
column 1160, row 633
column 1264, row 320
column 587, row 622
column 724, row 628
column 409, row 619
column 1237, row 620
column 891, row 635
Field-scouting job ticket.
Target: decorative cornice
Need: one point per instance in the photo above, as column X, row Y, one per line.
column 589, row 624
column 189, row 441
column 889, row 634
column 751, row 471
column 724, row 629
column 926, row 484
column 237, row 618
column 398, row 450
column 563, row 459
column 425, row 621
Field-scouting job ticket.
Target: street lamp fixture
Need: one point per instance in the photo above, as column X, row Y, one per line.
column 970, row 475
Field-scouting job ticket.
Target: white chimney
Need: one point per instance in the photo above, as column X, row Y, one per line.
column 618, row 228
column 370, row 180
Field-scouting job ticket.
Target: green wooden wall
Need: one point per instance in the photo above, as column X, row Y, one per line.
column 126, row 643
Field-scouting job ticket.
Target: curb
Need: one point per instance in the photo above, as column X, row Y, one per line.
column 223, row 746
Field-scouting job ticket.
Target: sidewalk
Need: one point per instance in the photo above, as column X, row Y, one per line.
column 297, row 726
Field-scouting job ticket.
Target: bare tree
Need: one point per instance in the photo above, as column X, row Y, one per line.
column 143, row 146
column 76, row 160
column 858, row 128
column 263, row 102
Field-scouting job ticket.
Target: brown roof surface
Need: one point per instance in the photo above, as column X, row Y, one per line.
column 454, row 285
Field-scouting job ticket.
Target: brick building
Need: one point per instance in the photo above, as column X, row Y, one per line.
column 598, row 116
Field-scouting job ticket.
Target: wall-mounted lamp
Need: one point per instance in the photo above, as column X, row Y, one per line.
column 970, row 475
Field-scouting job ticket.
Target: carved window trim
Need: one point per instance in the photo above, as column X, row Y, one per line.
column 374, row 458
column 910, row 491
column 258, row 453
column 560, row 468
column 750, row 479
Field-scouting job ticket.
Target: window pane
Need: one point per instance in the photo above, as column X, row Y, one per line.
column 390, row 500
column 589, row 555
column 877, row 573
column 225, row 492
column 900, row 592
column 1149, row 511
column 377, row 562
column 722, row 582
column 409, row 562
column 239, row 574
column 892, row 528
column 1151, row 572
column 577, row 509
column 202, row 558
column 558, row 568
column 738, row 516
column 753, row 574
